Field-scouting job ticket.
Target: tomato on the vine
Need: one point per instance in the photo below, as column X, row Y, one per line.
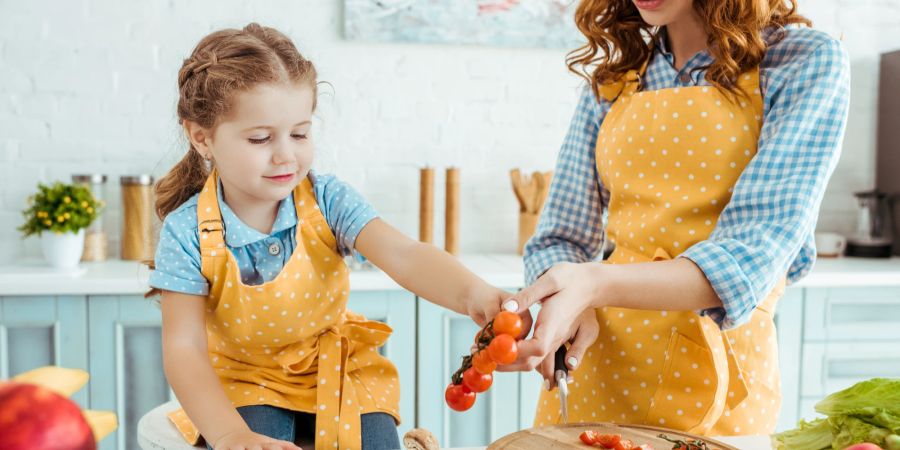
column 477, row 381
column 503, row 349
column 483, row 363
column 508, row 323
column 459, row 397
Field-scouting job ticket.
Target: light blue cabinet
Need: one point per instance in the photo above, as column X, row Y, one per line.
column 509, row 405
column 40, row 331
column 849, row 335
column 126, row 362
column 398, row 310
column 829, row 338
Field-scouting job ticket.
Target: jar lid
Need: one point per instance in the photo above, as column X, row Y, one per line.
column 136, row 180
column 89, row 178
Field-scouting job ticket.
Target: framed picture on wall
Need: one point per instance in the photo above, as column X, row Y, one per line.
column 512, row 23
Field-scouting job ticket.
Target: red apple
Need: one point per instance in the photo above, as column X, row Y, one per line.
column 863, row 446
column 35, row 418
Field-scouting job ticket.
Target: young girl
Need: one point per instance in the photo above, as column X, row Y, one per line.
column 706, row 138
column 258, row 343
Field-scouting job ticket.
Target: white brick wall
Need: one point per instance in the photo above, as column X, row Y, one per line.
column 89, row 86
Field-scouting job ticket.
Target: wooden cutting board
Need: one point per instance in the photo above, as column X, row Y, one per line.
column 565, row 437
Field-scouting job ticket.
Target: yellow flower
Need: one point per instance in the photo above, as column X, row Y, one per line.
column 67, row 199
column 90, row 210
column 48, row 222
column 67, row 216
column 84, row 204
column 60, row 219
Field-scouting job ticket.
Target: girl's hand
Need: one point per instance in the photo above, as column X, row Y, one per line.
column 484, row 304
column 248, row 440
column 567, row 293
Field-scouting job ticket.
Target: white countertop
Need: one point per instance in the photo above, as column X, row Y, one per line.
column 118, row 277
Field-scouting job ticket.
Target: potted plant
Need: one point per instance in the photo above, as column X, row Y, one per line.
column 59, row 214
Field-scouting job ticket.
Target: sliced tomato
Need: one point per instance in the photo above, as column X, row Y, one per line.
column 609, row 440
column 624, row 444
column 589, row 437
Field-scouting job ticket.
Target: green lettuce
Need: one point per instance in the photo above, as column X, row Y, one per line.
column 815, row 435
column 868, row 411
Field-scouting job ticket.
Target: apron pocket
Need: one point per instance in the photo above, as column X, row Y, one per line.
column 687, row 386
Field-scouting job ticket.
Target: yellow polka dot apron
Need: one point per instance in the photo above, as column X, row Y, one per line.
column 291, row 342
column 670, row 159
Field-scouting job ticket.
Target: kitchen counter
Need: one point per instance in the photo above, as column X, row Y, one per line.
column 33, row 277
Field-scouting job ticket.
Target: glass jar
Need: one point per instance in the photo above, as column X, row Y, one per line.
column 96, row 242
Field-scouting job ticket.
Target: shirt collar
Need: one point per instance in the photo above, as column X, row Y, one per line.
column 238, row 234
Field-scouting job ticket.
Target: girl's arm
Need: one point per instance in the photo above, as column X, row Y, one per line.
column 429, row 272
column 187, row 368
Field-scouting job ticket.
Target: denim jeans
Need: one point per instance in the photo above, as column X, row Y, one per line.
column 379, row 432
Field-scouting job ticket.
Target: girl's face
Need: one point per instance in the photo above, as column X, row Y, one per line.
column 663, row 12
column 263, row 148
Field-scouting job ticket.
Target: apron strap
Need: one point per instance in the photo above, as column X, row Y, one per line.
column 210, row 227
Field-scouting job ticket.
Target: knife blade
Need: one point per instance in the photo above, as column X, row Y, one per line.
column 561, row 374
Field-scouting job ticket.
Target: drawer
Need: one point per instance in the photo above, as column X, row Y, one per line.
column 834, row 366
column 852, row 314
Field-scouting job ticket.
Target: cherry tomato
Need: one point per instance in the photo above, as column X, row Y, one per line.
column 477, row 381
column 589, row 437
column 483, row 363
column 624, row 444
column 503, row 349
column 508, row 323
column 459, row 397
column 609, row 440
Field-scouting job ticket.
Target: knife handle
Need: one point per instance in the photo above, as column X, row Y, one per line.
column 560, row 360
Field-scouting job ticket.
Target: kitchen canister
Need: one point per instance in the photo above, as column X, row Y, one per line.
column 451, row 208
column 96, row 242
column 426, row 205
column 137, row 217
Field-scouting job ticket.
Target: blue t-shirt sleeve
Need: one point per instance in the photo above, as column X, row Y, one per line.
column 345, row 210
column 178, row 255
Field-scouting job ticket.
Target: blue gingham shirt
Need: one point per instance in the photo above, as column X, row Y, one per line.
column 178, row 252
column 766, row 230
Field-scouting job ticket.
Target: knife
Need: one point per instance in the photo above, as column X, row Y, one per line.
column 561, row 374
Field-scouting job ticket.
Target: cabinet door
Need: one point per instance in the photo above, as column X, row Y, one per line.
column 398, row 310
column 41, row 331
column 852, row 314
column 789, row 325
column 831, row 367
column 444, row 338
column 126, row 363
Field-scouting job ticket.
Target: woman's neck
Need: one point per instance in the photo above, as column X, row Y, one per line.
column 255, row 213
column 686, row 36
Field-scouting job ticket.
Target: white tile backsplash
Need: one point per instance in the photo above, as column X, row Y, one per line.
column 89, row 86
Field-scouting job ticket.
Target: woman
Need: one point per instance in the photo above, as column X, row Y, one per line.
column 702, row 148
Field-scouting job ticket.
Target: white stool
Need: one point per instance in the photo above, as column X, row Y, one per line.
column 156, row 432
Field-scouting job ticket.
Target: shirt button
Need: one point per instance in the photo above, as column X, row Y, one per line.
column 685, row 78
column 274, row 249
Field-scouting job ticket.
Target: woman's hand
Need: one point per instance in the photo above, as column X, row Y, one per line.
column 248, row 440
column 568, row 294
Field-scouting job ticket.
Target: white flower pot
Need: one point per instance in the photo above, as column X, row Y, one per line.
column 62, row 250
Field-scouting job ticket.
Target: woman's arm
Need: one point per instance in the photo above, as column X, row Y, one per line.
column 429, row 272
